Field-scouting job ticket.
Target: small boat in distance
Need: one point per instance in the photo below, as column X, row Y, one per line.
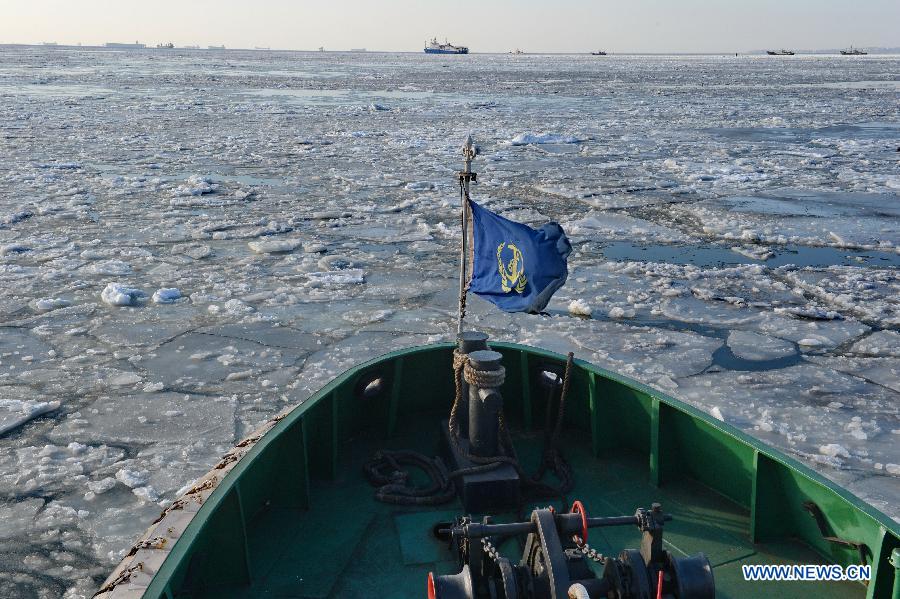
column 517, row 51
column 781, row 52
column 851, row 51
column 435, row 47
column 215, row 47
column 168, row 46
column 598, row 53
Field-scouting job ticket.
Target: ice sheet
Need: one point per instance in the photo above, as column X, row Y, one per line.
column 191, row 242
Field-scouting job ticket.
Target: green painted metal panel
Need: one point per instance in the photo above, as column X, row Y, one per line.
column 629, row 421
column 281, row 479
column 218, row 555
column 691, row 447
column 596, row 409
column 321, row 443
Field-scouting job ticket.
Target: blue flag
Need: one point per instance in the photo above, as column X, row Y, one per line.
column 514, row 266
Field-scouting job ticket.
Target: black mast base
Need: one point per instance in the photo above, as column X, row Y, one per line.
column 497, row 490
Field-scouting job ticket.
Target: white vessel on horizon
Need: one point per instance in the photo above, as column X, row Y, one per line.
column 435, row 47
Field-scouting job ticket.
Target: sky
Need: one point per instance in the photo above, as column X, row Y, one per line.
column 620, row 26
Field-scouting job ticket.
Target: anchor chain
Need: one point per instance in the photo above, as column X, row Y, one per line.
column 490, row 550
column 588, row 551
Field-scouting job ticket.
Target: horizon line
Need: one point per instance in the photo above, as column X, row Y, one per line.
column 890, row 50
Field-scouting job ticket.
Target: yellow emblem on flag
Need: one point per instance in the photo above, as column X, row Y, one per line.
column 512, row 274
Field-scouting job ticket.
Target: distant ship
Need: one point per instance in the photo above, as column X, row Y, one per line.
column 598, row 53
column 781, row 52
column 215, row 47
column 134, row 46
column 357, row 49
column 434, row 47
column 851, row 51
column 517, row 51
column 168, row 46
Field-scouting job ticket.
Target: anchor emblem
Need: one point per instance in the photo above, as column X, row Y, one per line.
column 512, row 274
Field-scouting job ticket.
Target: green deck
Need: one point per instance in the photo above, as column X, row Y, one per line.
column 268, row 530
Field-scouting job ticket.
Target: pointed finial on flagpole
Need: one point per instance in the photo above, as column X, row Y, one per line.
column 469, row 146
column 469, row 151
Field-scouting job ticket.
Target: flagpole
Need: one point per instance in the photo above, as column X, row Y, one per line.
column 465, row 177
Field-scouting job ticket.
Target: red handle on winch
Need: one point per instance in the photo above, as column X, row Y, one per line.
column 578, row 508
column 659, row 585
column 431, row 585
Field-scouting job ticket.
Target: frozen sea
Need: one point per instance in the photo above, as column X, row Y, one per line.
column 190, row 241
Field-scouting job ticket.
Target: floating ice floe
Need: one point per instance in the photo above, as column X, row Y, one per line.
column 124, row 379
column 13, row 248
column 879, row 343
column 132, row 478
column 116, row 294
column 607, row 225
column 195, row 186
column 16, row 217
column 755, row 347
column 274, row 246
column 353, row 276
column 618, row 312
column 336, row 262
column 232, row 306
column 99, row 487
column 810, row 342
column 166, row 295
column 834, row 450
column 14, row 412
column 754, row 252
column 50, row 303
column 60, row 165
column 813, row 312
column 579, row 307
column 363, row 317
column 420, row 186
column 109, row 267
column 524, row 139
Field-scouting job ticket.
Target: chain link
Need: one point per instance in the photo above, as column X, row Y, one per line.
column 489, row 549
column 588, row 551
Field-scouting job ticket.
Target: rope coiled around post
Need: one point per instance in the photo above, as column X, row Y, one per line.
column 484, row 378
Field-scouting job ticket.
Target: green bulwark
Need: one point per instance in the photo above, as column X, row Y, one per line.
column 295, row 518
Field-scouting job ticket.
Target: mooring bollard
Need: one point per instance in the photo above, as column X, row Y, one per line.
column 485, row 375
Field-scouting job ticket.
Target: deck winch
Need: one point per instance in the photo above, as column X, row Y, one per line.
column 554, row 563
